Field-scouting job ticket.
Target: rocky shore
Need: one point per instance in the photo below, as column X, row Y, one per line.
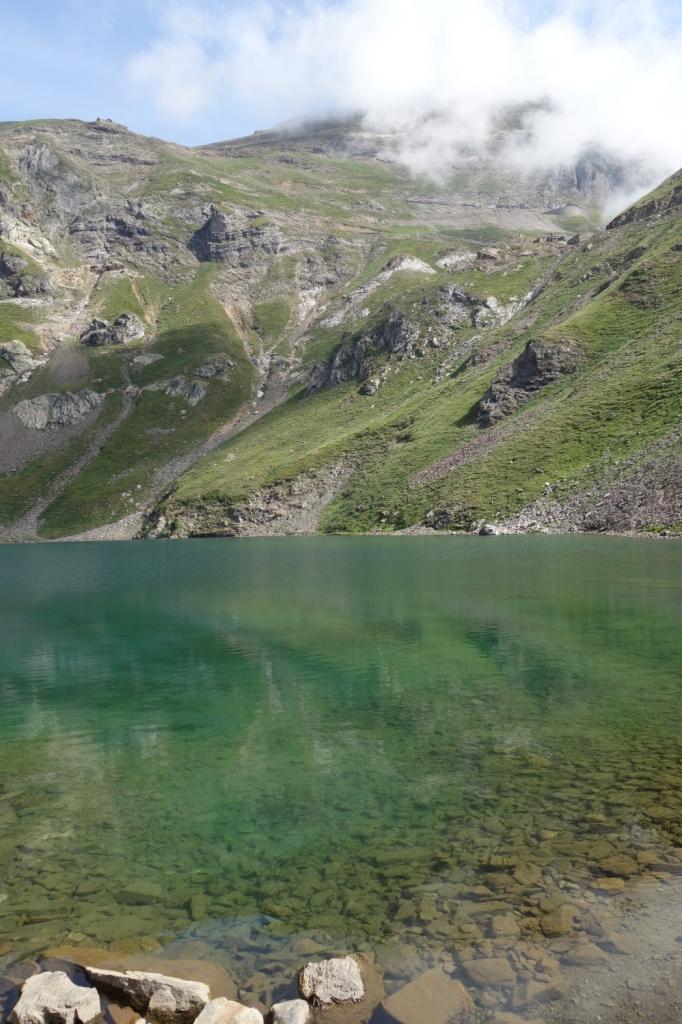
column 570, row 975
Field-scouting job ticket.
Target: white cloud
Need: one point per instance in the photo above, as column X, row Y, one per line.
column 612, row 72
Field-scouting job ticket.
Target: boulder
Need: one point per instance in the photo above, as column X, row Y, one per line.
column 57, row 410
column 293, row 1011
column 126, row 327
column 191, row 391
column 160, row 998
column 227, row 1011
column 52, row 998
column 214, row 367
column 19, row 357
column 338, row 980
column 432, row 997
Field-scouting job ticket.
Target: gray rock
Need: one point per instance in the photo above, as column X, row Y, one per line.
column 52, row 998
column 332, row 981
column 227, row 1011
column 158, row 997
column 234, row 239
column 19, row 357
column 191, row 391
column 293, row 1011
column 214, row 367
column 487, row 530
column 539, row 364
column 125, row 328
column 57, row 410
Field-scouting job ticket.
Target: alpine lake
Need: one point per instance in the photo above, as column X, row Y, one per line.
column 260, row 752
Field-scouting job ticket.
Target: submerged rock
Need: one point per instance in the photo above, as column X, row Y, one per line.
column 52, row 998
column 57, row 410
column 158, row 997
column 493, row 972
column 432, row 997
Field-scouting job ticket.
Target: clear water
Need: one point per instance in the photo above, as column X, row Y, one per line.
column 253, row 743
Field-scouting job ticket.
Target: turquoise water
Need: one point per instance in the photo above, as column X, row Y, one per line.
column 250, row 745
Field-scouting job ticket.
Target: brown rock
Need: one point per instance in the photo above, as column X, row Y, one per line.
column 432, row 997
column 537, row 992
column 585, row 954
column 558, row 922
column 608, row 885
column 492, row 972
column 619, row 865
column 503, row 926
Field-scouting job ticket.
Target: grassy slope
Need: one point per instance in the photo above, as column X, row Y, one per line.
column 192, row 326
column 627, row 395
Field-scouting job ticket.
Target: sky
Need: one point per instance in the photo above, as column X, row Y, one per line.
column 196, row 71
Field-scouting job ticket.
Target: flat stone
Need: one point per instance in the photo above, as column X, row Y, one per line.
column 159, row 997
column 332, row 981
column 493, row 972
column 537, row 992
column 608, row 885
column 504, row 926
column 585, row 954
column 292, row 1011
column 227, row 1011
column 140, row 893
column 432, row 997
column 619, row 865
column 558, row 922
column 52, row 998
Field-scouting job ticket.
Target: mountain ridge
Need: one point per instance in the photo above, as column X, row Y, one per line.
column 334, row 321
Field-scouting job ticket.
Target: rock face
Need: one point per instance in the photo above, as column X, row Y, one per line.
column 157, row 997
column 293, row 1011
column 16, row 364
column 227, row 1011
column 52, row 998
column 57, row 410
column 17, row 280
column 432, row 997
column 332, row 981
column 539, row 364
column 395, row 337
column 235, row 239
column 655, row 206
column 126, row 327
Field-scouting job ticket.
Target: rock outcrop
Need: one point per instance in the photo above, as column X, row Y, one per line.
column 52, row 998
column 395, row 337
column 57, row 410
column 191, row 390
column 16, row 364
column 126, row 327
column 159, row 998
column 235, row 239
column 539, row 364
column 18, row 280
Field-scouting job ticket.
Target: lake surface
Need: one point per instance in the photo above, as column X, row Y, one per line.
column 269, row 748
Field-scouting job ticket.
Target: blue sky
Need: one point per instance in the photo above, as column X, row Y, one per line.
column 195, row 71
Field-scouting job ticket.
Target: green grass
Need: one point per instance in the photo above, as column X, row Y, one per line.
column 117, row 295
column 15, row 325
column 270, row 319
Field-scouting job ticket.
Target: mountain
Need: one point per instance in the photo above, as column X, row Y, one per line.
column 291, row 332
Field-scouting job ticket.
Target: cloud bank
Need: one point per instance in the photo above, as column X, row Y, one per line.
column 607, row 74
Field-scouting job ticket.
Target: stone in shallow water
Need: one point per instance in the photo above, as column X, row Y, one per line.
column 162, row 998
column 504, row 926
column 140, row 893
column 52, row 998
column 585, row 954
column 227, row 1011
column 332, row 981
column 432, row 997
column 619, row 865
column 293, row 1011
column 558, row 922
column 608, row 885
column 493, row 972
column 537, row 992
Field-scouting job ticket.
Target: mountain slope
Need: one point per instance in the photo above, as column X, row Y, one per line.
column 296, row 334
